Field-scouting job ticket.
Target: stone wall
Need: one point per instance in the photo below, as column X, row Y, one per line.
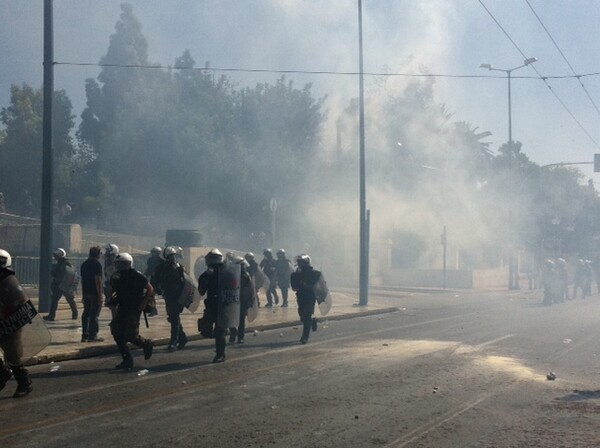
column 24, row 239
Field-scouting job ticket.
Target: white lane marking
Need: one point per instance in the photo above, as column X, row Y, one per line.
column 137, row 379
column 435, row 423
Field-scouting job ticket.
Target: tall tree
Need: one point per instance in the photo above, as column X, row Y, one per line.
column 21, row 148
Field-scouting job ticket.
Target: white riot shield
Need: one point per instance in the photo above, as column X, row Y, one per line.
column 189, row 297
column 70, row 281
column 228, row 314
column 261, row 280
column 253, row 311
column 28, row 329
column 35, row 337
column 323, row 295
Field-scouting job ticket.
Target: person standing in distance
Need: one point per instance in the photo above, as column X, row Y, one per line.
column 130, row 292
column 91, row 291
column 11, row 297
column 303, row 282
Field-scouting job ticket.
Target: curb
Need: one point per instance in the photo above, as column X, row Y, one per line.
column 90, row 352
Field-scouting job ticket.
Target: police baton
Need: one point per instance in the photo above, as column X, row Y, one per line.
column 146, row 319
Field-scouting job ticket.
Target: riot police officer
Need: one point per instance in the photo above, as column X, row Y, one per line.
column 247, row 300
column 270, row 269
column 284, row 269
column 253, row 269
column 63, row 276
column 110, row 253
column 11, row 297
column 151, row 264
column 168, row 279
column 220, row 282
column 130, row 292
column 303, row 282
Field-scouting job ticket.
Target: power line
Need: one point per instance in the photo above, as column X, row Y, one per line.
column 543, row 78
column 318, row 72
column 563, row 56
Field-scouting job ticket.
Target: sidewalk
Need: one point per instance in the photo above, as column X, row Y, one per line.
column 66, row 333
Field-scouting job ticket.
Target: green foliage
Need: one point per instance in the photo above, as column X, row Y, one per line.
column 181, row 143
column 21, row 148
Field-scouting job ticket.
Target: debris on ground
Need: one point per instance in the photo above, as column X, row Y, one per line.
column 551, row 376
column 143, row 372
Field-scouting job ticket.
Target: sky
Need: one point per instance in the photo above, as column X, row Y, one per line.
column 443, row 37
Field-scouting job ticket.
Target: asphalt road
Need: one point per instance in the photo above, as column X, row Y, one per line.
column 446, row 370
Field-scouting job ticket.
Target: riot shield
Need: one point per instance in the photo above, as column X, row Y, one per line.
column 28, row 330
column 189, row 297
column 323, row 295
column 70, row 281
column 228, row 314
column 253, row 311
column 35, row 337
column 261, row 280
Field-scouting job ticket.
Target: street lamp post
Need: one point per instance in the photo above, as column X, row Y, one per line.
column 513, row 282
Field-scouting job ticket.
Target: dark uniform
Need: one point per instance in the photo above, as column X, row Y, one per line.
column 251, row 269
column 582, row 278
column 247, row 299
column 11, row 297
column 303, row 282
column 151, row 264
column 283, row 268
column 130, row 290
column 270, row 269
column 91, row 291
column 168, row 278
column 221, row 306
column 110, row 252
column 58, row 273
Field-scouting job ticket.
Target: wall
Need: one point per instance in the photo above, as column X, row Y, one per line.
column 24, row 239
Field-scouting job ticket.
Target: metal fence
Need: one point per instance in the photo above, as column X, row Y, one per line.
column 28, row 268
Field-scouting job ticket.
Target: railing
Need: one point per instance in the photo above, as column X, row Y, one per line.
column 28, row 268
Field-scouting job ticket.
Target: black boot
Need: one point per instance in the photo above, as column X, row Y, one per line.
column 5, row 375
column 23, row 381
column 183, row 340
column 232, row 335
column 220, row 349
column 305, row 332
column 126, row 364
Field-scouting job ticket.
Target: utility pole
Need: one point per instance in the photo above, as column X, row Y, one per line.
column 47, row 224
column 445, row 246
column 363, row 292
column 513, row 273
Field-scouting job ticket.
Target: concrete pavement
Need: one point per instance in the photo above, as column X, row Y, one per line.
column 66, row 333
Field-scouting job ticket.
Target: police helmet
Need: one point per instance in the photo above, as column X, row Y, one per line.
column 268, row 253
column 303, row 260
column 111, row 249
column 156, row 250
column 281, row 253
column 249, row 257
column 123, row 261
column 59, row 253
column 5, row 259
column 213, row 257
column 170, row 251
column 230, row 256
column 241, row 261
